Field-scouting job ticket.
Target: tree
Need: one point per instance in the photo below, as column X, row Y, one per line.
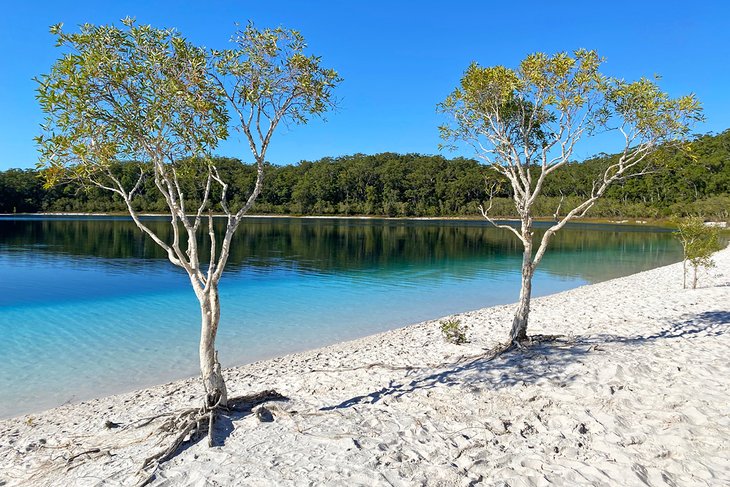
column 699, row 242
column 525, row 124
column 144, row 94
column 20, row 191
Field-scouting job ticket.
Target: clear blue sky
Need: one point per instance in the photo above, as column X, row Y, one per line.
column 398, row 59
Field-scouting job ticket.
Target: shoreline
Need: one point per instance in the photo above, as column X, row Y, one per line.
column 656, row 222
column 403, row 406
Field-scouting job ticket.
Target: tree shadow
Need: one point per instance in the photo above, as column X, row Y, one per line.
column 708, row 323
column 239, row 408
column 544, row 359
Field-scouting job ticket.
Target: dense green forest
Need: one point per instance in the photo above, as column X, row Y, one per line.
column 391, row 184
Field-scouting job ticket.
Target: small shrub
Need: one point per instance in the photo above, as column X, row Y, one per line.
column 699, row 242
column 454, row 332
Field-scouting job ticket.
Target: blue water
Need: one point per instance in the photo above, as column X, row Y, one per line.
column 90, row 308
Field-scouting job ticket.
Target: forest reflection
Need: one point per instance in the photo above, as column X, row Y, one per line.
column 589, row 251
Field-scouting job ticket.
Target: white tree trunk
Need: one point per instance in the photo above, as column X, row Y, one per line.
column 519, row 324
column 210, row 369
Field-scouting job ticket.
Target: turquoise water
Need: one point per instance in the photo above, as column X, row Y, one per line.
column 89, row 307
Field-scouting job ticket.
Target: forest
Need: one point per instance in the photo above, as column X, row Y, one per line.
column 683, row 182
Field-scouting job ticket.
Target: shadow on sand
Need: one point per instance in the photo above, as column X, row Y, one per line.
column 545, row 358
column 240, row 407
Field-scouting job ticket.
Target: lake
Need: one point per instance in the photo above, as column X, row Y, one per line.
column 91, row 307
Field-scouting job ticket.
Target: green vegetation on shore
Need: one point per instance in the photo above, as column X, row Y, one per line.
column 390, row 184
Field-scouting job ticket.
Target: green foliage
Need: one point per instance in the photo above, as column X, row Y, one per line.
column 138, row 93
column 268, row 79
column 498, row 108
column 21, row 191
column 131, row 93
column 419, row 185
column 699, row 242
column 525, row 124
column 551, row 102
column 453, row 331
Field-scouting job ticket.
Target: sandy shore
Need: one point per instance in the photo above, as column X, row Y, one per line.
column 633, row 392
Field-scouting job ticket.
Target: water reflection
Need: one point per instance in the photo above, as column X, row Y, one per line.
column 339, row 245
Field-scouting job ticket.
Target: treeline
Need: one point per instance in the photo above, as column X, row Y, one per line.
column 694, row 182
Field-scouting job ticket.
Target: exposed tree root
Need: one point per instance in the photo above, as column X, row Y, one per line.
column 92, row 451
column 529, row 340
column 190, row 425
column 87, row 452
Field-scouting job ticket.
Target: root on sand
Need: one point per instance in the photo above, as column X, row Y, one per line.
column 191, row 425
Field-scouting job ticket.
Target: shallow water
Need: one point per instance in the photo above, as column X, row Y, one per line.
column 89, row 307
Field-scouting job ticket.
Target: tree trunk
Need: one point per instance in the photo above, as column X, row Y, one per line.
column 519, row 324
column 210, row 368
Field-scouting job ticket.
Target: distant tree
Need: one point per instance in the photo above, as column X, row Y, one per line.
column 21, row 191
column 699, row 242
column 143, row 94
column 688, row 182
column 525, row 124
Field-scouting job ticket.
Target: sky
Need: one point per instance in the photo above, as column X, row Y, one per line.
column 398, row 59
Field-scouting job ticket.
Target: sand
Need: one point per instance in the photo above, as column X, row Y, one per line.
column 633, row 391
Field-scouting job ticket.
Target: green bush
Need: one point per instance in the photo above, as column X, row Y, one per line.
column 699, row 242
column 453, row 331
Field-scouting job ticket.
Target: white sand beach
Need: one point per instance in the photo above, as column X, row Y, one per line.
column 634, row 390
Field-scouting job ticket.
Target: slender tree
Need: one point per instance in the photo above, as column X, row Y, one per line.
column 699, row 242
column 148, row 95
column 525, row 124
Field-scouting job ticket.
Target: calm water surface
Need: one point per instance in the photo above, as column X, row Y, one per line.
column 89, row 307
